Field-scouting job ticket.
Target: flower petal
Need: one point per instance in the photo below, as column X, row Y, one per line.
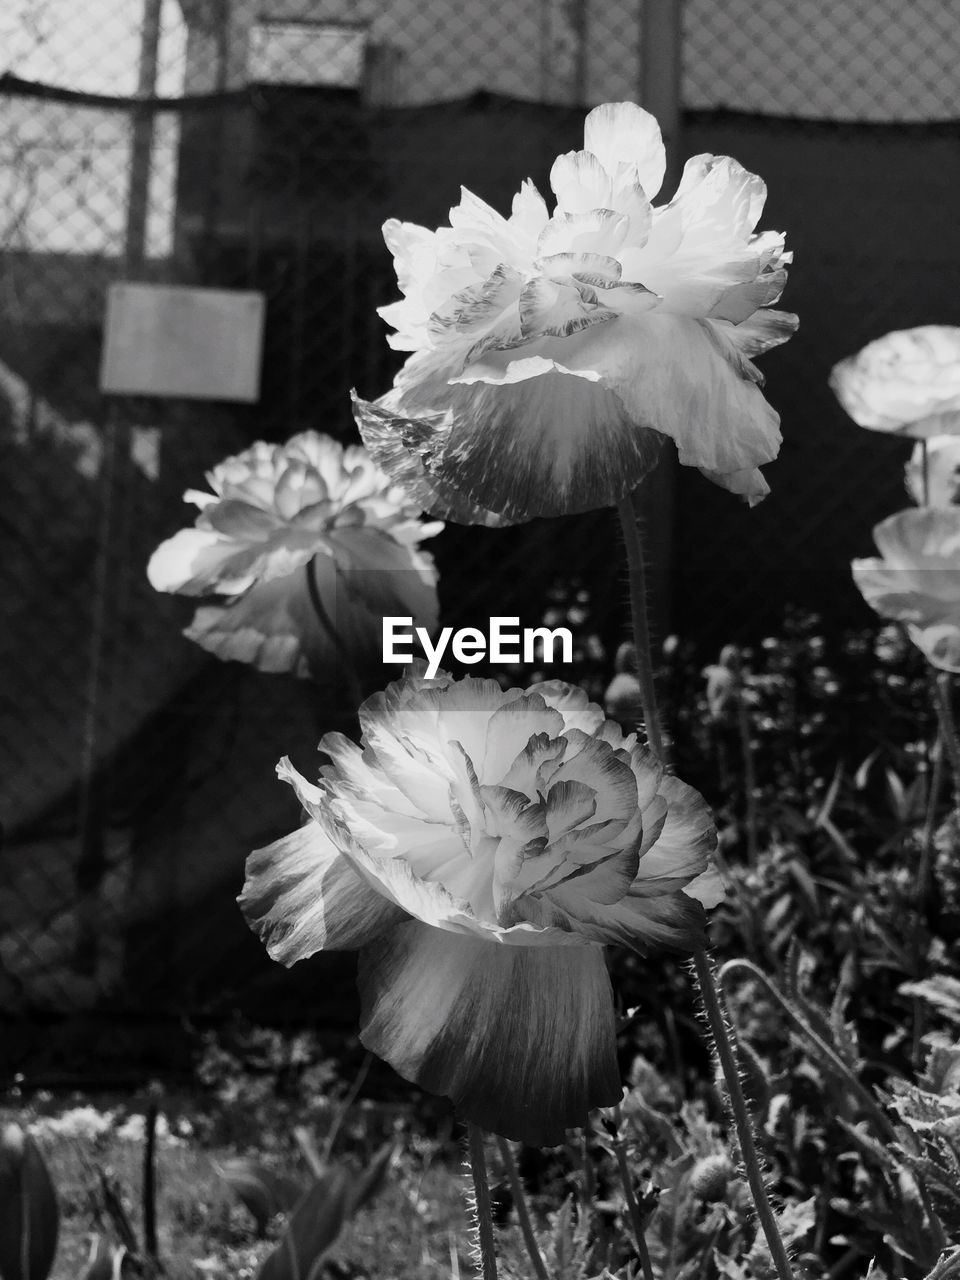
column 580, row 182
column 623, row 133
column 301, row 896
column 687, row 840
column 520, row 1039
column 384, row 433
column 641, row 923
column 940, row 643
column 272, row 627
column 509, row 732
column 547, row 443
column 763, row 330
column 748, row 483
column 683, row 378
column 196, row 561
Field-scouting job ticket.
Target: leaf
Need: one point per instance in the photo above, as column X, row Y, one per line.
column 373, row 1177
column 805, row 884
column 29, row 1217
column 942, row 991
column 860, row 777
column 897, row 795
column 563, row 1237
column 314, row 1225
column 105, row 1261
column 262, row 1191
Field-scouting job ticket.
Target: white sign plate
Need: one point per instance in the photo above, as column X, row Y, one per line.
column 306, row 53
column 180, row 342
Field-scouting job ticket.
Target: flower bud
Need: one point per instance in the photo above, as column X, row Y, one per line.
column 28, row 1209
column 709, row 1177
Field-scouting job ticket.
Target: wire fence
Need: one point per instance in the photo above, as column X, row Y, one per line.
column 210, row 143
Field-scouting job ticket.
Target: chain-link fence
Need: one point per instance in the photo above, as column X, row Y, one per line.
column 212, row 143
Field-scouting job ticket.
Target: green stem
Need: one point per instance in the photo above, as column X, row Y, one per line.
column 350, row 672
column 478, row 1167
column 724, row 1046
column 749, row 776
column 523, row 1213
column 930, row 821
column 632, row 1206
column 641, row 626
column 948, row 729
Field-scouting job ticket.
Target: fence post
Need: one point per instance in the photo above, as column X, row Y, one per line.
column 660, row 67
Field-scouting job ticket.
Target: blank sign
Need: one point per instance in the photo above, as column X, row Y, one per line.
column 175, row 341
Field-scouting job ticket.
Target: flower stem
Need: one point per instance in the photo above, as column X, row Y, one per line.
column 930, row 821
column 478, row 1167
column 749, row 771
column 523, row 1213
column 626, row 509
column 351, row 680
column 948, row 730
column 632, row 1206
column 724, row 1045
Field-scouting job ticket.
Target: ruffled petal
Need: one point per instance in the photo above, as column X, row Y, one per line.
column 386, row 435
column 580, row 182
column 640, row 922
column 763, row 330
column 749, row 484
column 509, row 732
column 521, row 1040
column 388, row 578
column 669, row 374
column 301, row 896
column 927, row 539
column 688, row 838
column 524, row 437
column 940, row 643
column 899, row 594
column 272, row 627
column 623, row 133
column 196, row 561
column 708, row 888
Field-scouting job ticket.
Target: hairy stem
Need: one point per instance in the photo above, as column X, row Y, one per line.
column 724, row 1046
column 641, row 626
column 478, row 1168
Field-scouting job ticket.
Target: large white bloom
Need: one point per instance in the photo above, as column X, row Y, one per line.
column 554, row 352
column 307, row 545
column 480, row 848
column 907, row 382
column 917, row 580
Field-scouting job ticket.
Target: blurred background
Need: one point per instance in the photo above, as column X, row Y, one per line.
column 261, row 146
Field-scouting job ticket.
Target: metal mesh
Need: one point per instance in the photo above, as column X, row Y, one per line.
column 138, row 772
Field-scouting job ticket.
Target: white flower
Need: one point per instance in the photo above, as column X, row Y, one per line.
column 86, row 1123
column 308, row 545
column 917, row 580
column 554, row 352
column 907, row 382
column 479, row 848
column 933, row 472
